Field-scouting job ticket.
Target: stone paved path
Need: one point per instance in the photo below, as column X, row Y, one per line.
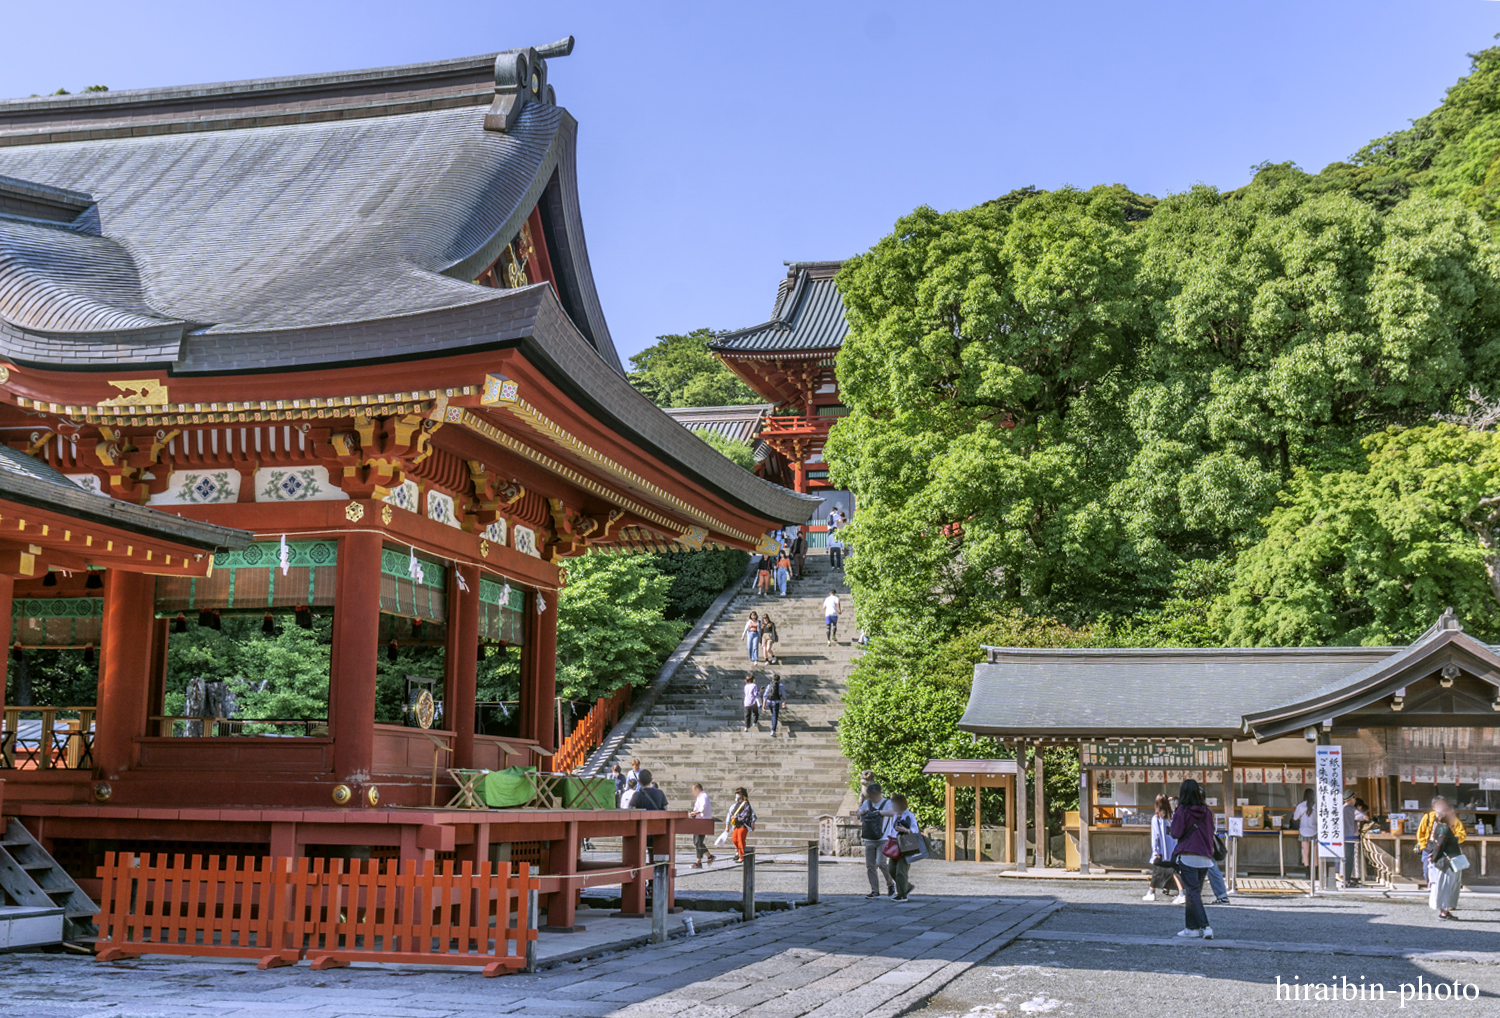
column 848, row 957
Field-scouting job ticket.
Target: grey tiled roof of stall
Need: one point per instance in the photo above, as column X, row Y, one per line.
column 273, row 206
column 1144, row 692
column 29, row 481
column 809, row 315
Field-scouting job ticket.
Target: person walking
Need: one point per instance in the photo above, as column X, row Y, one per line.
column 752, row 638
column 1193, row 828
column 703, row 809
column 741, row 821
column 1446, row 868
column 773, row 698
column 1306, row 818
column 1163, row 848
column 783, row 572
column 904, row 822
column 635, row 769
column 627, row 797
column 799, row 552
column 835, row 550
column 1424, row 834
column 763, row 576
column 648, row 795
column 875, row 813
column 619, row 779
column 752, row 702
column 832, row 607
column 768, row 639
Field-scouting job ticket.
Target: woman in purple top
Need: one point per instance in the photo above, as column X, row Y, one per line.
column 1193, row 829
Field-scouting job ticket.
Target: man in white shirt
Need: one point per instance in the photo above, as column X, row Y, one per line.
column 628, row 796
column 702, row 807
column 752, row 703
column 832, row 606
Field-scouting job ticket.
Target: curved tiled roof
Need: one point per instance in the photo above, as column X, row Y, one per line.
column 29, row 481
column 280, row 204
column 809, row 315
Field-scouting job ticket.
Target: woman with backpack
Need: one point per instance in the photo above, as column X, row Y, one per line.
column 741, row 821
column 752, row 638
column 768, row 638
column 774, row 700
column 1192, row 828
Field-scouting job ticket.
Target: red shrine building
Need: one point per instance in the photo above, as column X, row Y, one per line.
column 323, row 345
column 789, row 360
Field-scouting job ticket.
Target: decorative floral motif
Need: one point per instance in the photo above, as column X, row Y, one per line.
column 440, row 508
column 495, row 532
column 525, row 541
column 88, row 482
column 292, row 485
column 354, row 512
column 404, row 496
column 198, row 487
column 385, row 514
column 484, row 548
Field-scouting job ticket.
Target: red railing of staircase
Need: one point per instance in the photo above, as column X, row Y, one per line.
column 589, row 733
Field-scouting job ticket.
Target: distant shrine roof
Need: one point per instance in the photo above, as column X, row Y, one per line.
column 808, row 316
column 225, row 227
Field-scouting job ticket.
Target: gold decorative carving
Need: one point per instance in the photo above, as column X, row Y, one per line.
column 499, row 389
column 693, row 537
column 385, row 514
column 4, row 374
column 354, row 512
column 484, row 548
column 138, row 392
column 372, row 796
column 342, row 794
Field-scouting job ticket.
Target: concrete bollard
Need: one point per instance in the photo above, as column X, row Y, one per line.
column 812, row 872
column 531, row 924
column 747, row 904
column 659, row 904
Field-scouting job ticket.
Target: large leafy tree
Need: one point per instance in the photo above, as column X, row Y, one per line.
column 984, row 373
column 678, row 370
column 1063, row 406
column 612, row 627
column 1372, row 555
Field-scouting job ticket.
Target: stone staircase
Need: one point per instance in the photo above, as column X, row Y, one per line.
column 695, row 731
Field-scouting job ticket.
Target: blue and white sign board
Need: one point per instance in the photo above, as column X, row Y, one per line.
column 1330, row 772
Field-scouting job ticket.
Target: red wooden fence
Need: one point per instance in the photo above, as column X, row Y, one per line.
column 590, row 732
column 328, row 910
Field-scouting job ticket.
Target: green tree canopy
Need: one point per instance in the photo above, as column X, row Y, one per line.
column 737, row 453
column 1061, row 405
column 679, row 371
column 1373, row 554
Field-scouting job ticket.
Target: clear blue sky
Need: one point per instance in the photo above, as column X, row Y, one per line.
column 718, row 140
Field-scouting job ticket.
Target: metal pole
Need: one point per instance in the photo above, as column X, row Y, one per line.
column 531, row 924
column 747, row 904
column 812, row 872
column 659, row 904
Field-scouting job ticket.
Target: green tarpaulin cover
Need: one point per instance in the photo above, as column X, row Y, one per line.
column 514, row 786
column 588, row 793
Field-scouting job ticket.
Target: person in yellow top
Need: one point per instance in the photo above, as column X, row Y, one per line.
column 1424, row 829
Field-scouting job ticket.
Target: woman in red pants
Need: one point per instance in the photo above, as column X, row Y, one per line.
column 741, row 822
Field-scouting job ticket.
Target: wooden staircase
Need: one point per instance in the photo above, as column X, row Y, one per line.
column 30, row 876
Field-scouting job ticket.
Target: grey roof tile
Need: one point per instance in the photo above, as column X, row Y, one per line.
column 809, row 315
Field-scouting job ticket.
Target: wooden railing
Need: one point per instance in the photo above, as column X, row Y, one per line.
column 1383, row 862
column 181, row 726
column 590, row 732
column 329, row 911
column 70, row 747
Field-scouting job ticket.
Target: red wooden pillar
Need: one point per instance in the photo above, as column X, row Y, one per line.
column 7, row 594
column 562, row 859
column 461, row 662
column 127, row 662
column 356, row 649
column 635, row 853
column 539, row 672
